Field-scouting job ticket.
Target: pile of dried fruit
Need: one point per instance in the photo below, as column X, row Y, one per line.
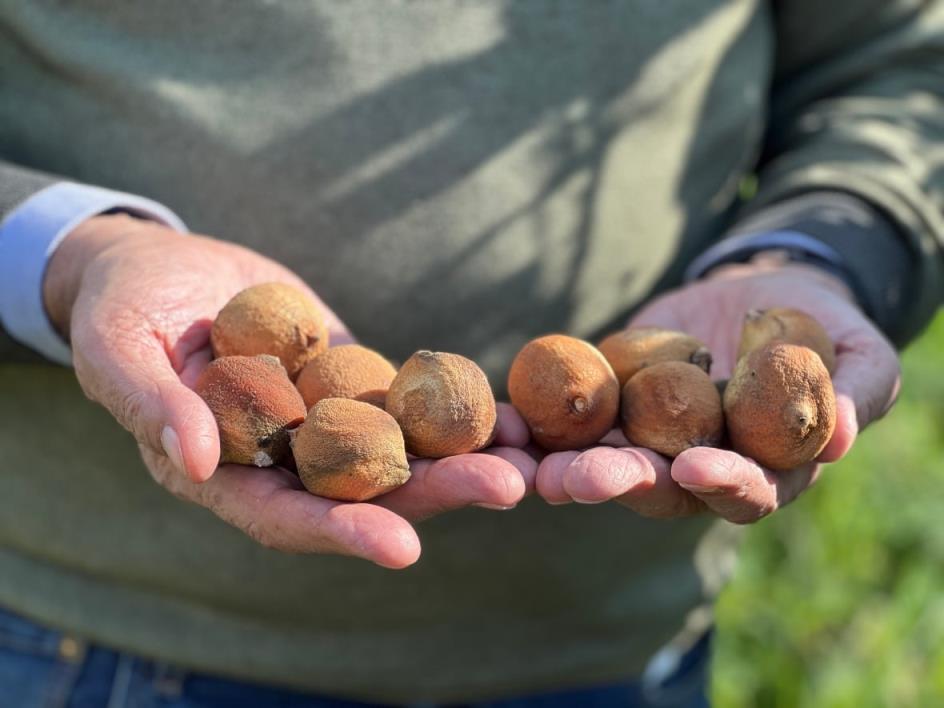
column 778, row 407
column 350, row 419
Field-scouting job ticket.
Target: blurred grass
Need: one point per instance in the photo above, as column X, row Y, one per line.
column 838, row 600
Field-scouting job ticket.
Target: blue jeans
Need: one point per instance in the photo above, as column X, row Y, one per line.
column 43, row 668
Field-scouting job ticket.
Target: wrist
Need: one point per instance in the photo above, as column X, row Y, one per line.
column 776, row 262
column 62, row 279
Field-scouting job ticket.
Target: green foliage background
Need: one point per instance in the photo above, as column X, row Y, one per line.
column 838, row 600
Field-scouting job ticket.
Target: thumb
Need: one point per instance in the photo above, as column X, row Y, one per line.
column 866, row 381
column 134, row 380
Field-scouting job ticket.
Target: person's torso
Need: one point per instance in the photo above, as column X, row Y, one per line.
column 459, row 176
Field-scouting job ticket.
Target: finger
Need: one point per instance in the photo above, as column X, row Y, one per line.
column 868, row 373
column 549, row 482
column 657, row 495
column 288, row 519
column 603, row 473
column 191, row 353
column 847, row 428
column 735, row 487
column 195, row 341
column 128, row 371
column 194, row 366
column 271, row 507
column 512, row 430
column 524, row 460
column 490, row 480
column 866, row 383
column 636, row 477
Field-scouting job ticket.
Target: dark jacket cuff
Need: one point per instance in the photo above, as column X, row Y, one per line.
column 849, row 238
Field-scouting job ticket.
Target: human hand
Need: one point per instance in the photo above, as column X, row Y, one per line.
column 137, row 301
column 866, row 382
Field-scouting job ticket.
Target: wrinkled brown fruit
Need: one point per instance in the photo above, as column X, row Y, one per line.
column 786, row 325
column 347, row 371
column 272, row 318
column 633, row 349
column 349, row 451
column 565, row 390
column 255, row 405
column 670, row 407
column 779, row 406
column 444, row 405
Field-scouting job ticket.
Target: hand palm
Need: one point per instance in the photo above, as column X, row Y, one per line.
column 140, row 334
column 865, row 381
column 714, row 312
column 176, row 294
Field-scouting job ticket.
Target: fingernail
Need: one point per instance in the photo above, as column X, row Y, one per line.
column 559, row 503
column 698, row 489
column 495, row 507
column 171, row 444
column 589, row 501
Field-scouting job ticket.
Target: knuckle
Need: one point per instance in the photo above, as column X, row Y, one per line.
column 128, row 408
column 259, row 533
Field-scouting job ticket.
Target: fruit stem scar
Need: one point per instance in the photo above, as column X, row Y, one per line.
column 701, row 357
column 262, row 459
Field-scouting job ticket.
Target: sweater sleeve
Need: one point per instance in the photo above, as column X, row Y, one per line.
column 858, row 107
column 36, row 213
column 17, row 184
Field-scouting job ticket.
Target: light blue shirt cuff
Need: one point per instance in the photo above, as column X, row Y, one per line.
column 736, row 247
column 30, row 234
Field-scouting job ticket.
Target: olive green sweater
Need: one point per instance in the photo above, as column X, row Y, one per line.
column 450, row 175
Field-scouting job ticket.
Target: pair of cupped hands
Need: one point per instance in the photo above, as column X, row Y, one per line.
column 137, row 299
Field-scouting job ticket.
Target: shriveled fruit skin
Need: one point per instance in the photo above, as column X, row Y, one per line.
column 255, row 405
column 443, row 403
column 349, row 451
column 271, row 318
column 347, row 371
column 786, row 325
column 634, row 349
column 672, row 406
column 565, row 390
column 779, row 406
